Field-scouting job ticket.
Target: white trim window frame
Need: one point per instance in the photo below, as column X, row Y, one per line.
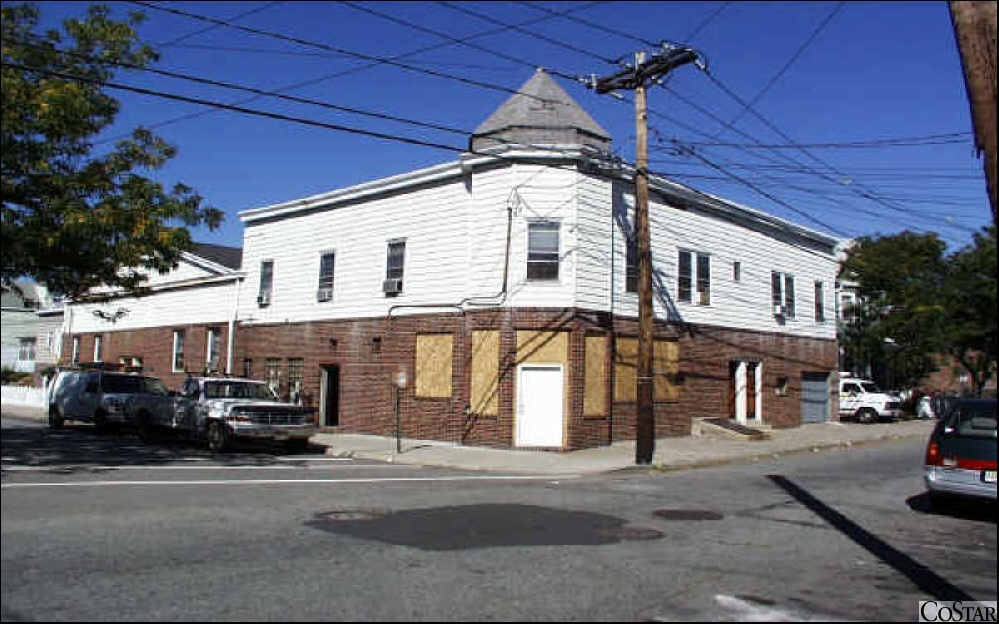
column 76, row 350
column 177, row 363
column 543, row 258
column 395, row 263
column 98, row 347
column 266, row 288
column 213, row 347
column 327, row 266
column 820, row 304
column 693, row 274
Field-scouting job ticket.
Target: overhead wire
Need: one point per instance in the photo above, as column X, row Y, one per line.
column 201, row 31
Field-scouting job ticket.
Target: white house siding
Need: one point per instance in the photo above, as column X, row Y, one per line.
column 597, row 247
column 15, row 324
column 743, row 305
column 543, row 193
column 49, row 343
column 486, row 224
column 205, row 303
column 430, row 218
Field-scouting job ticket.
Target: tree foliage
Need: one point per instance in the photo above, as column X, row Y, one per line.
column 73, row 218
column 916, row 302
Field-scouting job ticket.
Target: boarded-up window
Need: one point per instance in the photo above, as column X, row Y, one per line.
column 664, row 370
column 485, row 372
column 595, row 391
column 433, row 365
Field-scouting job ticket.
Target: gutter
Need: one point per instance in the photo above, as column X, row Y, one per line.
column 232, row 326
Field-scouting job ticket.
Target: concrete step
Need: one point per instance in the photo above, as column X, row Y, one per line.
column 726, row 428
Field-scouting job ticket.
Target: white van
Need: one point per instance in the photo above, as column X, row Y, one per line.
column 863, row 400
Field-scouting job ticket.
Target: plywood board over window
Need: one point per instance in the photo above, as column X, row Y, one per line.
column 595, row 391
column 485, row 372
column 665, row 367
column 542, row 347
column 433, row 365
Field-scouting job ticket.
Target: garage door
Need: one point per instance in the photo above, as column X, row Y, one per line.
column 539, row 406
column 814, row 397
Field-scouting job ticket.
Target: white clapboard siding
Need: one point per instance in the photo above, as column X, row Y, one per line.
column 746, row 304
column 595, row 242
column 206, row 303
column 432, row 220
column 491, row 206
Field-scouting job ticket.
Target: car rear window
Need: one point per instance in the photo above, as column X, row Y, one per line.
column 121, row 384
column 977, row 421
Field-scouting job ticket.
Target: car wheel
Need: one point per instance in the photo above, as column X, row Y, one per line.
column 101, row 422
column 144, row 429
column 867, row 416
column 56, row 420
column 218, row 437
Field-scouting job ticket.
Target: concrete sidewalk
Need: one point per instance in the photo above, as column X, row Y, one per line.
column 670, row 453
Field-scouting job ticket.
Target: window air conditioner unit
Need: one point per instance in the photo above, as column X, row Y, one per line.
column 324, row 294
column 778, row 310
column 392, row 285
column 264, row 299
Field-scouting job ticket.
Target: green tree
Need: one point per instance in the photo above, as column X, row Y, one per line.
column 970, row 304
column 72, row 218
column 898, row 323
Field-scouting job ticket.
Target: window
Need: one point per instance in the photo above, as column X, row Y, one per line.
column 26, row 349
column 296, row 368
column 273, row 366
column 178, row 350
column 394, row 266
column 542, row 251
column 782, row 293
column 325, row 292
column 820, row 311
column 76, row 350
column 248, row 368
column 130, row 361
column 631, row 264
column 266, row 283
column 214, row 343
column 98, row 344
column 736, row 271
column 685, row 277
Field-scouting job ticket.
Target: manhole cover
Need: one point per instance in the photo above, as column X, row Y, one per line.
column 348, row 515
column 687, row 514
column 632, row 533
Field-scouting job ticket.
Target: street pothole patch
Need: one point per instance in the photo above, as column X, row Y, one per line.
column 350, row 515
column 690, row 515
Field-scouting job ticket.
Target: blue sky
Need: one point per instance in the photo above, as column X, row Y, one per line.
column 872, row 71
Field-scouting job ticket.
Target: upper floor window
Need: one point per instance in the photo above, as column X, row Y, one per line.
column 686, row 277
column 542, row 250
column 782, row 294
column 631, row 264
column 325, row 292
column 266, row 282
column 98, row 347
column 394, row 265
column 820, row 310
column 178, row 350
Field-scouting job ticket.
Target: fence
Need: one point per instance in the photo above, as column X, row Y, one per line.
column 23, row 395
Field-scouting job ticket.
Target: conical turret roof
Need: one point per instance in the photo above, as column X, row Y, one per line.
column 541, row 113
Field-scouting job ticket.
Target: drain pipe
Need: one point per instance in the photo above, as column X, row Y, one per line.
column 232, row 327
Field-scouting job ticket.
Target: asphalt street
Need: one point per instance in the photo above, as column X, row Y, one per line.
column 104, row 527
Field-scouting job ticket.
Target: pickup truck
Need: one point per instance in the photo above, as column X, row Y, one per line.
column 107, row 398
column 221, row 409
column 861, row 399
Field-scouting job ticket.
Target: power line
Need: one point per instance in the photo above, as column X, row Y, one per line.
column 261, row 92
column 930, row 139
column 322, row 46
column 200, row 31
column 596, row 26
column 790, row 61
column 704, row 24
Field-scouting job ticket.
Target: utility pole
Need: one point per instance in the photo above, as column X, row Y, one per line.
column 975, row 30
column 637, row 78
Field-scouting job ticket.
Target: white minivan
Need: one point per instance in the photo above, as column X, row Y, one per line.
column 862, row 400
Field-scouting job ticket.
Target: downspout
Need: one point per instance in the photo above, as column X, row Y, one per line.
column 232, row 328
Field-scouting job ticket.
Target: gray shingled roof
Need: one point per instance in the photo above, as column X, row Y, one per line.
column 526, row 120
column 231, row 257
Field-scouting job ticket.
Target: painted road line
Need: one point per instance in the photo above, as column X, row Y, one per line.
column 7, row 486
column 64, row 467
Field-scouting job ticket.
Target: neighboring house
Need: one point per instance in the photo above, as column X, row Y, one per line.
column 19, row 325
column 183, row 324
column 502, row 287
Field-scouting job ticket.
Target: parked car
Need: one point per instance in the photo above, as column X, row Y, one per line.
column 862, row 400
column 961, row 453
column 107, row 398
column 220, row 409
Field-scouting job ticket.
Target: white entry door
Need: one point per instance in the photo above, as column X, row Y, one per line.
column 539, row 406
